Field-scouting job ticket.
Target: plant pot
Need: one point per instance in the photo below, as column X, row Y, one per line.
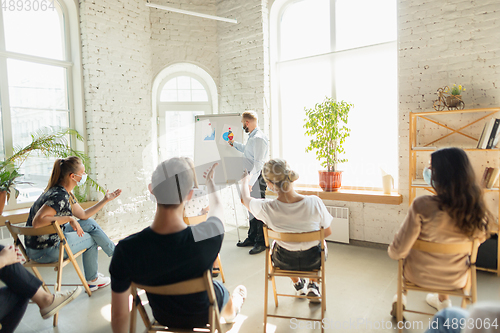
column 330, row 181
column 3, row 198
column 453, row 100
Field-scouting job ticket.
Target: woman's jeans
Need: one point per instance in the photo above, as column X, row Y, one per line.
column 92, row 238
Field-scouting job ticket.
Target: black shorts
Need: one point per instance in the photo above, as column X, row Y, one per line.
column 306, row 260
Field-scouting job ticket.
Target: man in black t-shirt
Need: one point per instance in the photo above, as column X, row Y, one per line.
column 169, row 251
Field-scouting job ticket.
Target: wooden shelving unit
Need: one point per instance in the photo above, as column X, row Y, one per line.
column 414, row 150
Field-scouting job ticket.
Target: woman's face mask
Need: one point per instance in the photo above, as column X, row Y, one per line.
column 427, row 173
column 82, row 180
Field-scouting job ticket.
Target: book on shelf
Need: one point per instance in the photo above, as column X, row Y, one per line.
column 490, row 134
column 493, row 134
column 488, row 127
column 490, row 177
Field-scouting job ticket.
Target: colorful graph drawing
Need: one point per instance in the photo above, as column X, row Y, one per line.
column 227, row 134
column 210, row 137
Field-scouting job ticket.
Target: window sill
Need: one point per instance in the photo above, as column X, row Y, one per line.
column 21, row 215
column 352, row 195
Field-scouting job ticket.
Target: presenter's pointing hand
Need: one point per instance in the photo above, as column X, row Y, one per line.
column 209, row 174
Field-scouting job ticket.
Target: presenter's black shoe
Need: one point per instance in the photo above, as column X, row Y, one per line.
column 258, row 248
column 245, row 243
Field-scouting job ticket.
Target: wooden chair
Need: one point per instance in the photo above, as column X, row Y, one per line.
column 192, row 286
column 468, row 293
column 272, row 272
column 196, row 220
column 53, row 228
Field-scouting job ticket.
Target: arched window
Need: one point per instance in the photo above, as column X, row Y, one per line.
column 184, row 91
column 38, row 79
column 344, row 49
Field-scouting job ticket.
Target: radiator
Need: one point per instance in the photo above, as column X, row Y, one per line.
column 340, row 224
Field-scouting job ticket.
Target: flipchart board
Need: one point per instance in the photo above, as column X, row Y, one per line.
column 212, row 133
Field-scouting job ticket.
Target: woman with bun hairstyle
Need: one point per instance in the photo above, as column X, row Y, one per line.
column 456, row 214
column 290, row 212
column 58, row 203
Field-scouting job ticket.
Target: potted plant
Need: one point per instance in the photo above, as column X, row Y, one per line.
column 47, row 142
column 326, row 123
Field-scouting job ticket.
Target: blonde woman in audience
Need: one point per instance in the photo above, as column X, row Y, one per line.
column 457, row 213
column 290, row 212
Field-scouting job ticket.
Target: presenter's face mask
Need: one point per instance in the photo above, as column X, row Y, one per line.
column 427, row 173
column 245, row 127
column 152, row 197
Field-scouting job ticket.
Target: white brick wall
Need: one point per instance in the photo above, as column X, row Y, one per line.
column 117, row 78
column 243, row 58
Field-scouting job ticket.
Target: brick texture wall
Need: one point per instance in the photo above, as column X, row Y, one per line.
column 117, row 79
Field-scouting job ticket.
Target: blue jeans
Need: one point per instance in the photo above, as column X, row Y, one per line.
column 93, row 237
column 447, row 321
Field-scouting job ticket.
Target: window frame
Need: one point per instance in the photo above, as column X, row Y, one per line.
column 277, row 11
column 72, row 64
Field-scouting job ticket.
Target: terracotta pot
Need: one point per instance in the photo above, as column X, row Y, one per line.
column 330, row 181
column 3, row 198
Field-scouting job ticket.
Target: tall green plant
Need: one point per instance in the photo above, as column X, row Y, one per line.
column 47, row 142
column 326, row 123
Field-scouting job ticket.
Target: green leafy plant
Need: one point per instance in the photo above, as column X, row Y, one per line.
column 326, row 123
column 47, row 142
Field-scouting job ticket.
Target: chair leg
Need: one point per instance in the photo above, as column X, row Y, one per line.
column 266, row 291
column 80, row 275
column 57, row 287
column 274, row 291
column 399, row 308
column 39, row 277
column 220, row 269
column 133, row 313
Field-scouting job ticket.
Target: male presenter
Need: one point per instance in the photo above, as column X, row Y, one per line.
column 255, row 153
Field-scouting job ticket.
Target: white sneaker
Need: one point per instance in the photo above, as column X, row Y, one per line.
column 433, row 300
column 101, row 282
column 238, row 298
column 395, row 304
column 60, row 299
column 313, row 291
column 300, row 287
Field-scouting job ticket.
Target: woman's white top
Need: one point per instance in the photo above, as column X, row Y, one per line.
column 484, row 317
column 198, row 201
column 309, row 214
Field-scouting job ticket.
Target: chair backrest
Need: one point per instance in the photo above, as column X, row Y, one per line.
column 196, row 285
column 318, row 235
column 15, row 231
column 180, row 288
column 465, row 248
column 195, row 219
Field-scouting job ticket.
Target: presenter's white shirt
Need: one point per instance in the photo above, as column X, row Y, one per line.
column 309, row 214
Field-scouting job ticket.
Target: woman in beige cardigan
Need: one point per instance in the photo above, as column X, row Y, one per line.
column 455, row 214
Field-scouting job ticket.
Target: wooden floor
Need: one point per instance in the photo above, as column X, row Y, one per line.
column 361, row 282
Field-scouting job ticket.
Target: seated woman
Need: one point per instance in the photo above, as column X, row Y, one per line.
column 457, row 213
column 58, row 203
column 290, row 212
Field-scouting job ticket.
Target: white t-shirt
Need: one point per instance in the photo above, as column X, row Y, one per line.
column 309, row 214
column 198, row 201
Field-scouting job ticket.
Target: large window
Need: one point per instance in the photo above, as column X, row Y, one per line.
column 182, row 97
column 36, row 83
column 344, row 49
